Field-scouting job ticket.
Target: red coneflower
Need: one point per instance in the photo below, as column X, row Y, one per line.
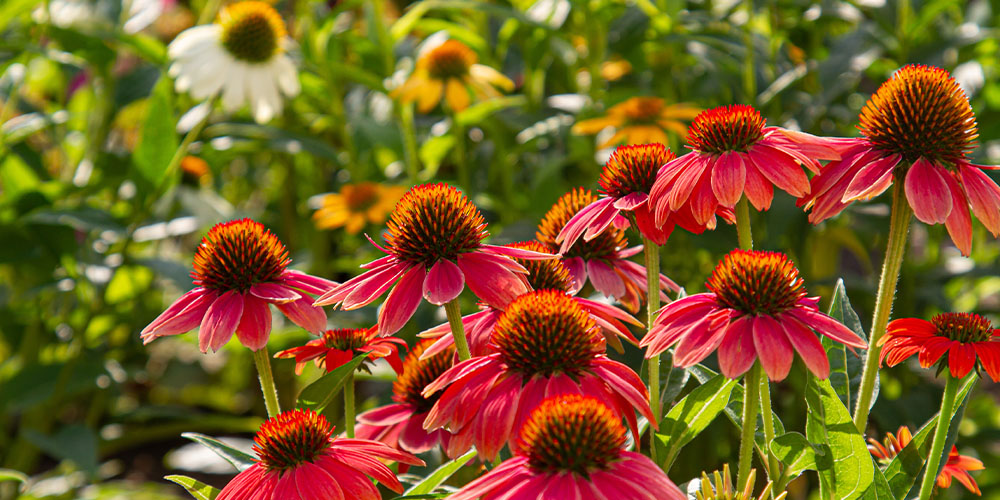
column 434, row 246
column 298, row 459
column 239, row 268
column 969, row 340
column 603, row 258
column 338, row 347
column 401, row 424
column 735, row 154
column 956, row 467
column 571, row 446
column 543, row 344
column 626, row 181
column 918, row 128
column 757, row 308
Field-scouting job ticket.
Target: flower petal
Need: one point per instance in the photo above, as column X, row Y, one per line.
column 490, row 280
column 255, row 325
column 773, row 348
column 220, row 321
column 927, row 193
column 274, row 292
column 443, row 283
column 402, row 301
column 728, row 178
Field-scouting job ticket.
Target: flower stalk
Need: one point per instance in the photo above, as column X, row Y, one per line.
column 940, row 436
column 349, row 405
column 751, row 402
column 651, row 252
column 457, row 330
column 263, row 362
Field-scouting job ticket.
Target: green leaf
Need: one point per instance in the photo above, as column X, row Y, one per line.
column 845, row 368
column 734, row 410
column 317, row 395
column 692, row 415
column 76, row 443
column 158, row 141
column 241, row 461
column 13, row 475
column 147, row 47
column 879, row 490
column 796, row 452
column 10, row 9
column 440, row 475
column 478, row 112
column 433, row 151
column 196, row 488
column 845, row 467
column 275, row 138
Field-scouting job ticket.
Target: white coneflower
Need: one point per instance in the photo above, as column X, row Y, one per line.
column 242, row 56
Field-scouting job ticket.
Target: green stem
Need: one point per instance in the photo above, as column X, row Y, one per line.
column 349, row 405
column 749, row 77
column 461, row 155
column 940, row 435
column 409, row 142
column 182, row 149
column 652, row 253
column 743, row 233
column 899, row 224
column 208, row 11
column 751, row 403
column 457, row 330
column 263, row 362
column 773, row 467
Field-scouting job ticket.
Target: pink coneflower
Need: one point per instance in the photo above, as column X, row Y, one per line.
column 401, row 424
column 969, row 340
column 734, row 155
column 602, row 259
column 572, row 446
column 918, row 129
column 338, row 347
column 757, row 308
column 957, row 466
column 239, row 268
column 626, row 180
column 434, row 241
column 544, row 343
column 298, row 459
column 548, row 274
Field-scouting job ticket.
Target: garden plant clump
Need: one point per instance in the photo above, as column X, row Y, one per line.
column 519, row 249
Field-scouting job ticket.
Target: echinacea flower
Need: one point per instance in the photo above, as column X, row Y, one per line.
column 543, row 344
column 357, row 205
column 434, row 246
column 299, row 459
column 757, row 308
column 572, row 446
column 242, row 56
column 626, row 181
column 602, row 259
column 720, row 487
column 969, row 340
column 640, row 120
column 918, row 128
column 338, row 347
column 548, row 274
column 240, row 267
column 401, row 424
column 450, row 69
column 957, row 466
column 735, row 154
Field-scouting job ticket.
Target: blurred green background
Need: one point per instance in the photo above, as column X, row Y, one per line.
column 95, row 245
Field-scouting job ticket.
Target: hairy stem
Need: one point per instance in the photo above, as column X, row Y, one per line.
column 263, row 362
column 457, row 330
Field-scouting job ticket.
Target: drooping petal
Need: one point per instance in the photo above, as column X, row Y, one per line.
column 605, row 279
column 736, row 352
column 984, row 196
column 780, row 169
column 302, row 312
column 772, row 346
column 872, row 179
column 959, row 223
column 402, row 301
column 961, row 360
column 927, row 193
column 490, row 280
column 758, row 189
column 577, row 268
column 220, row 321
column 728, row 179
column 443, row 283
column 808, row 346
column 274, row 292
column 255, row 325
column 184, row 315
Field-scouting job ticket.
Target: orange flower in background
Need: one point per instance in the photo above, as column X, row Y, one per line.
column 640, row 120
column 450, row 70
column 356, row 205
column 957, row 466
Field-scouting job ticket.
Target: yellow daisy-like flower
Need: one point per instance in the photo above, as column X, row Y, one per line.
column 450, row 70
column 640, row 120
column 356, row 205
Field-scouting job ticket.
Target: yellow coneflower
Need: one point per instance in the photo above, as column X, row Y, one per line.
column 450, row 69
column 356, row 205
column 640, row 120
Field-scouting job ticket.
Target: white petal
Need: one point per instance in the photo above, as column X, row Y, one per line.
column 288, row 75
column 193, row 116
column 233, row 95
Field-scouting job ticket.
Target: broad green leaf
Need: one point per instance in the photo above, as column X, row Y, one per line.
column 440, row 475
column 76, row 443
column 240, row 460
column 196, row 488
column 796, row 452
column 127, row 283
column 692, row 415
column 478, row 112
column 158, row 141
column 845, row 367
column 734, row 410
column 879, row 489
column 10, row 9
column 13, row 475
column 317, row 395
column 845, row 467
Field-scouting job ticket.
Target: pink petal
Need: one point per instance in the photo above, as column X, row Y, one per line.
column 273, row 292
column 736, row 352
column 605, row 279
column 577, row 271
column 927, row 192
column 808, row 346
column 307, row 282
column 517, row 253
column 773, row 348
column 402, row 301
column 703, row 203
column 780, row 169
column 959, row 221
column 376, row 283
column 984, row 196
column 495, row 420
column 828, row 326
column 184, row 315
column 310, row 481
column 443, row 283
column 220, row 321
column 631, row 200
column 600, row 222
column 579, row 223
column 255, row 325
column 961, row 360
column 386, row 415
column 302, row 312
column 728, row 178
column 646, row 224
column 490, row 280
column 685, row 183
column 872, row 179
column 757, row 188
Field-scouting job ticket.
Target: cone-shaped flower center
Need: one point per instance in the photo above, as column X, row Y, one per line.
column 963, row 327
column 755, row 282
column 418, row 373
column 920, row 112
column 643, row 110
column 291, row 439
column 433, row 222
column 546, row 332
column 347, row 339
column 632, row 169
column 726, row 128
column 548, row 274
column 236, row 255
column 451, row 59
column 251, row 31
column 604, row 246
column 571, row 433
